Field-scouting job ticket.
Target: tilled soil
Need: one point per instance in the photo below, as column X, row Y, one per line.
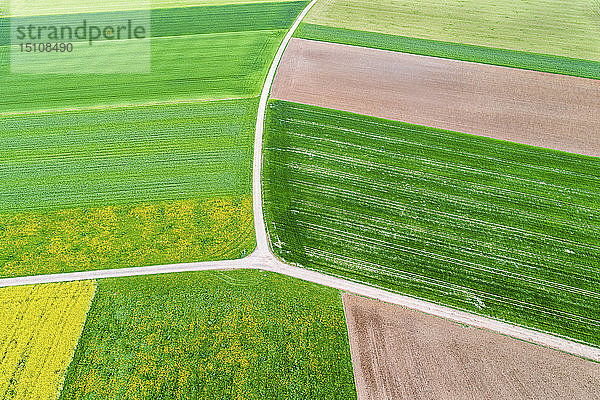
column 535, row 108
column 404, row 354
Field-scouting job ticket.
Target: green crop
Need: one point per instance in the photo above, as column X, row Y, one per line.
column 211, row 52
column 492, row 227
column 212, row 335
column 193, row 67
column 124, row 155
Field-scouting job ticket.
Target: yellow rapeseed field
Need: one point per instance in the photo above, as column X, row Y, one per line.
column 39, row 329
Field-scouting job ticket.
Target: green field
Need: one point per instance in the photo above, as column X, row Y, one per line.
column 212, row 335
column 125, row 235
column 492, row 227
column 123, row 155
column 202, row 70
column 569, row 28
column 126, row 187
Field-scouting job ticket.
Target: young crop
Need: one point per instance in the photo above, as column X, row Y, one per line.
column 493, row 227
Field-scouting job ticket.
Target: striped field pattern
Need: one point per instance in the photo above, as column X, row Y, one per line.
column 124, row 155
column 492, row 227
column 121, row 170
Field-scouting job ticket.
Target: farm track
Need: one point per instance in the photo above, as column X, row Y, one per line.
column 263, row 258
column 343, row 200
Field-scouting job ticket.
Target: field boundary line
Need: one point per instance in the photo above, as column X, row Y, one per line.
column 121, row 106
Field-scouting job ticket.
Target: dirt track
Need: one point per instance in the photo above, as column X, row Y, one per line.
column 404, row 354
column 554, row 111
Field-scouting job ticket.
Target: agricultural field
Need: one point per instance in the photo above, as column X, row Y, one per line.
column 40, row 328
column 491, row 227
column 514, row 33
column 125, row 235
column 75, row 197
column 60, row 160
column 210, row 52
column 124, row 169
column 244, row 334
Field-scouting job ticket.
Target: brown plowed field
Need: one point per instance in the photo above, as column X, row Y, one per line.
column 404, row 354
column 541, row 109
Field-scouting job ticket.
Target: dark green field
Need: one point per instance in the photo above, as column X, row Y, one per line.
column 497, row 228
column 212, row 335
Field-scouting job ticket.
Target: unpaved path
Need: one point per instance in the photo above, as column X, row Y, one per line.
column 536, row 108
column 403, row 354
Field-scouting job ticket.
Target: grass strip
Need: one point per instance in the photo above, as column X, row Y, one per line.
column 456, row 51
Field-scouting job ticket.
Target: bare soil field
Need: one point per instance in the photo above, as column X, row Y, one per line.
column 535, row 108
column 404, row 354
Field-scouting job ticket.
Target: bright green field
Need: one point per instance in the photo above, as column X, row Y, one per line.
column 202, row 69
column 569, row 28
column 212, row 335
column 492, row 227
column 212, row 52
column 123, row 155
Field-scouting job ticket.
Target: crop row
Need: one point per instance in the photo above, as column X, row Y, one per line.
column 461, row 220
column 228, row 335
